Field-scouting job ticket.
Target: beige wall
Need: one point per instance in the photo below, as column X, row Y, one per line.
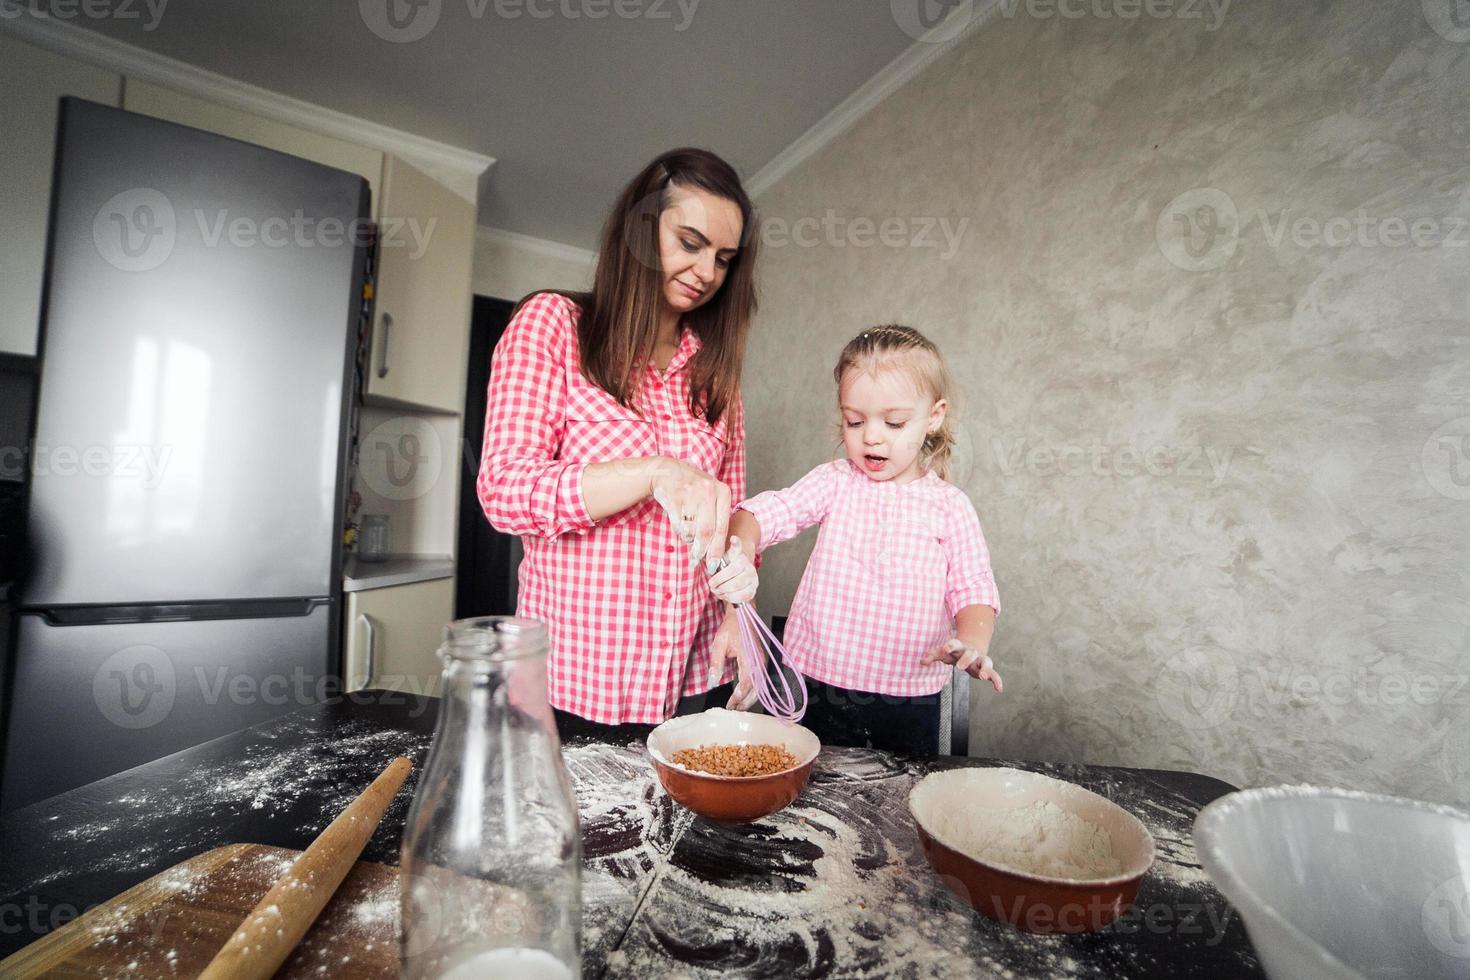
column 1225, row 480
column 510, row 266
column 33, row 80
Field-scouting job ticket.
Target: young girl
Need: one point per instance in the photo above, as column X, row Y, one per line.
column 899, row 585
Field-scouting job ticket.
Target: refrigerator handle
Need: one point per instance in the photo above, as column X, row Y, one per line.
column 383, row 349
column 370, row 665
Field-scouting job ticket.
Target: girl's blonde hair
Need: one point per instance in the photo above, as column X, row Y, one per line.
column 904, row 348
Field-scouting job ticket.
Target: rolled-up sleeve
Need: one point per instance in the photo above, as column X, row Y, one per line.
column 524, row 488
column 783, row 514
column 970, row 581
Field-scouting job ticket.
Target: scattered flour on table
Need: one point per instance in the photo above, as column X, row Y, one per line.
column 1040, row 839
column 856, row 910
column 1175, row 858
column 845, row 892
column 626, row 819
column 292, row 774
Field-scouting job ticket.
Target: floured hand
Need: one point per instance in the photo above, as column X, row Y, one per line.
column 697, row 505
column 972, row 661
column 734, row 579
column 726, row 647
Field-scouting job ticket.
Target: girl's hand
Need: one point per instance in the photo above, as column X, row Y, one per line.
column 737, row 581
column 696, row 503
column 972, row 661
column 726, row 646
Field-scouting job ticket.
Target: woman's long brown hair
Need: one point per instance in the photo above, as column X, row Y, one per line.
column 620, row 315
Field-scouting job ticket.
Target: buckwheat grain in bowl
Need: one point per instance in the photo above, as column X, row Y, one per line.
column 761, row 763
column 736, row 760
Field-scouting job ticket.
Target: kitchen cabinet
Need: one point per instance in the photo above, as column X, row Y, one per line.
column 422, row 321
column 393, row 634
column 34, row 81
column 165, row 103
column 408, row 468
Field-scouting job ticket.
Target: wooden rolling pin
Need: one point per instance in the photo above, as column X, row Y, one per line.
column 273, row 928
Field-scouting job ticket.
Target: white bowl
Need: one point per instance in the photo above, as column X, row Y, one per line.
column 1340, row 885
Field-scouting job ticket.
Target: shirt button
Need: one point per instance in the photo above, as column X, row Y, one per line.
column 668, row 595
column 668, row 418
column 669, row 548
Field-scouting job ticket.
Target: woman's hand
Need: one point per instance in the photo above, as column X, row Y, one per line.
column 745, row 693
column 726, row 645
column 972, row 661
column 737, row 581
column 696, row 503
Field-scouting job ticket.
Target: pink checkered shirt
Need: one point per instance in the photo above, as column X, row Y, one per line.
column 624, row 609
column 892, row 567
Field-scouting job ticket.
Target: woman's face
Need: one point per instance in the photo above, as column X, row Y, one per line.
column 698, row 236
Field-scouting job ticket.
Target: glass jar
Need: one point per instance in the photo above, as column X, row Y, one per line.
column 376, row 538
column 491, row 869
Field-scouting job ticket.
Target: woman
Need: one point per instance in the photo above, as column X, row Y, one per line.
column 615, row 445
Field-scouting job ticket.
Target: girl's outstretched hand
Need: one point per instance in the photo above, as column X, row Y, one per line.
column 736, row 580
column 972, row 661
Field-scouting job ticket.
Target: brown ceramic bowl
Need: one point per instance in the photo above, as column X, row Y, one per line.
column 1030, row 902
column 731, row 799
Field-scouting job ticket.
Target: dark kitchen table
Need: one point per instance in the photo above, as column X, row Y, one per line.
column 833, row 886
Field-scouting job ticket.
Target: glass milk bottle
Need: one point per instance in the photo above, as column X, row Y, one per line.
column 492, row 851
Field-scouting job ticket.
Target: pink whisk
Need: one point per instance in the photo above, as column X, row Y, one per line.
column 758, row 645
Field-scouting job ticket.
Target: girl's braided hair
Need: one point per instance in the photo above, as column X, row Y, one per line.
column 896, row 346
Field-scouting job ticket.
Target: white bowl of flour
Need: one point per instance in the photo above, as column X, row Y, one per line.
column 1042, row 854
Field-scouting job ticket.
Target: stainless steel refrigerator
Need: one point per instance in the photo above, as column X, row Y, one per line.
column 189, row 458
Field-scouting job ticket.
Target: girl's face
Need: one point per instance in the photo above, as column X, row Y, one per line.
column 698, row 235
column 884, row 421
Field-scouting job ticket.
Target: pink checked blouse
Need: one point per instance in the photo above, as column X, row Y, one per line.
column 892, row 567
column 625, row 611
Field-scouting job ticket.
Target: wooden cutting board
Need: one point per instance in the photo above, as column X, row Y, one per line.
column 173, row 923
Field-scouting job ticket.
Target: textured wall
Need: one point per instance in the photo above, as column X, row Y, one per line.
column 1205, row 291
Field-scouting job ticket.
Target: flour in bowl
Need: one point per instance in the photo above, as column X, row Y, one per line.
column 1040, row 839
